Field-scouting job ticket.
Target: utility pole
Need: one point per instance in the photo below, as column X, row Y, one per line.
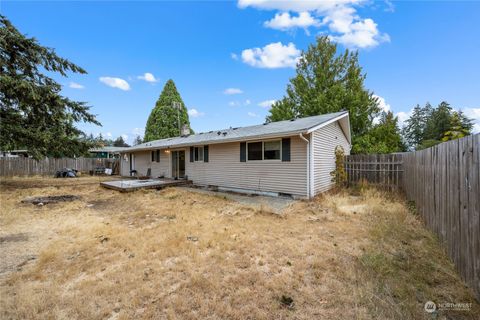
column 178, row 105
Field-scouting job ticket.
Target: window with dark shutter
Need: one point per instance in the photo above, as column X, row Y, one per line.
column 205, row 153
column 191, row 153
column 286, row 149
column 243, row 151
column 153, row 156
column 158, row 155
column 255, row 150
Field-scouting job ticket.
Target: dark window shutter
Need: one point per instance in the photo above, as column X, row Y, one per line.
column 158, row 155
column 205, row 153
column 153, row 156
column 243, row 151
column 286, row 149
column 191, row 154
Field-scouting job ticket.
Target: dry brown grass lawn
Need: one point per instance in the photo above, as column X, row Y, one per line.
column 177, row 254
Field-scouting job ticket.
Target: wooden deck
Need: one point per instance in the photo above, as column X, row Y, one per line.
column 134, row 184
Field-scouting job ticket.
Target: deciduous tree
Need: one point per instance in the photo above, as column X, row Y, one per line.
column 327, row 81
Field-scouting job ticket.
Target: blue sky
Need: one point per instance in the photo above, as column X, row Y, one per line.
column 229, row 59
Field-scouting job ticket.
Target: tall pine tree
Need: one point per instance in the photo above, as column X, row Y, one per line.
column 326, row 82
column 33, row 113
column 428, row 126
column 163, row 121
column 415, row 126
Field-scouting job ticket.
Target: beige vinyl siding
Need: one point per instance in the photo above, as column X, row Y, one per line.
column 324, row 142
column 143, row 162
column 224, row 169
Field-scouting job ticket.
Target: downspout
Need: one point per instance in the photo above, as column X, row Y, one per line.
column 308, row 163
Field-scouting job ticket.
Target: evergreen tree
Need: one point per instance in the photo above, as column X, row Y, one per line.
column 460, row 126
column 415, row 129
column 120, row 142
column 33, row 114
column 384, row 137
column 326, row 82
column 429, row 126
column 138, row 140
column 439, row 122
column 164, row 119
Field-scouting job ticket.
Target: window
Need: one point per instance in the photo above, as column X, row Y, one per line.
column 271, row 150
column 198, row 151
column 156, row 156
column 264, row 150
column 254, row 151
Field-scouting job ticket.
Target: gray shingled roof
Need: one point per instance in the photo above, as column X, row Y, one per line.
column 272, row 129
column 108, row 149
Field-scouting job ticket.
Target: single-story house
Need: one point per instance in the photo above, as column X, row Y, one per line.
column 106, row 152
column 14, row 154
column 293, row 157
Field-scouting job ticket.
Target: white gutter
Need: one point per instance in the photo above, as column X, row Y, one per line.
column 308, row 163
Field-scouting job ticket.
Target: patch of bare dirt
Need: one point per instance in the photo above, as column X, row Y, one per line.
column 51, row 199
column 179, row 254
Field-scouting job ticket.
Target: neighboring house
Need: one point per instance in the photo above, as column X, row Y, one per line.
column 106, row 152
column 14, row 154
column 293, row 157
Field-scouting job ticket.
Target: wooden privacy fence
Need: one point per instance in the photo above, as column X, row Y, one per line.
column 382, row 170
column 48, row 166
column 444, row 182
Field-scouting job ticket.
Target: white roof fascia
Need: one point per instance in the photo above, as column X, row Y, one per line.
column 327, row 122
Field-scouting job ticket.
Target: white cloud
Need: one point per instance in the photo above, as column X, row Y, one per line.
column 237, row 103
column 234, row 56
column 251, row 114
column 389, row 6
column 267, row 103
column 284, row 21
column 115, row 83
column 194, row 113
column 75, row 85
column 338, row 16
column 402, row 117
column 296, row 6
column 361, row 34
column 231, row 91
column 473, row 113
column 273, row 55
column 149, row 77
column 382, row 104
column 125, row 137
column 138, row 131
